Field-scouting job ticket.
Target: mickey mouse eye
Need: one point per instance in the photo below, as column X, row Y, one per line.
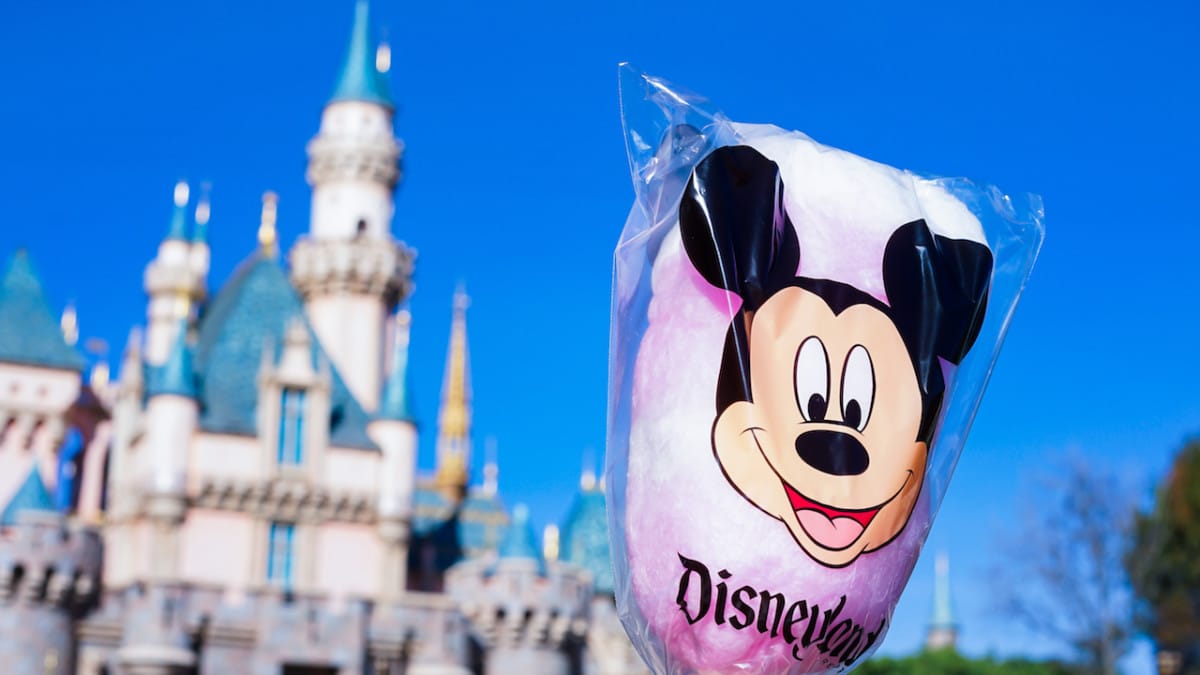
column 858, row 388
column 812, row 380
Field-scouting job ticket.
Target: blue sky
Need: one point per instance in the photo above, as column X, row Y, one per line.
column 516, row 183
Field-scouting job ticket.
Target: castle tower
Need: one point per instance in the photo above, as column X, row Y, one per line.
column 39, row 379
column 584, row 542
column 349, row 269
column 528, row 613
column 943, row 632
column 174, row 284
column 171, row 419
column 454, row 416
column 394, row 430
column 47, row 575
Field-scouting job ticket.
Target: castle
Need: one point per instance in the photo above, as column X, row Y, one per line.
column 242, row 499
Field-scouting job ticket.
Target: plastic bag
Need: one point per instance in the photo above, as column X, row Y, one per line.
column 800, row 340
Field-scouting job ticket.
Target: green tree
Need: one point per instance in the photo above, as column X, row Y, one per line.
column 1164, row 564
column 950, row 662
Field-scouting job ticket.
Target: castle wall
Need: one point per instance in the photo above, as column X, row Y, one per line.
column 350, row 470
column 543, row 662
column 35, row 639
column 224, row 456
column 91, row 488
column 32, row 403
column 348, row 558
column 350, row 328
column 217, row 548
column 126, row 552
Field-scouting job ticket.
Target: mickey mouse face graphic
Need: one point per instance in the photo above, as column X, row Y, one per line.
column 827, row 398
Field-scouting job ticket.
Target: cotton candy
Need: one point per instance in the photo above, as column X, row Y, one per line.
column 710, row 576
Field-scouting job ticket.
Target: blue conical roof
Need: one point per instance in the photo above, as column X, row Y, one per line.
column 585, row 538
column 520, row 542
column 31, row 496
column 254, row 308
column 176, row 376
column 360, row 81
column 178, row 227
column 28, row 332
column 200, row 233
column 395, row 403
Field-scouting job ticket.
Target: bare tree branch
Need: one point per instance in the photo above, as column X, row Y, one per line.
column 1062, row 574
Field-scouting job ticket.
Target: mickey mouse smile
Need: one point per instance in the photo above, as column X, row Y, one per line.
column 835, row 529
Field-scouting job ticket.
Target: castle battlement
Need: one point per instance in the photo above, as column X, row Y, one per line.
column 522, row 602
column 43, row 562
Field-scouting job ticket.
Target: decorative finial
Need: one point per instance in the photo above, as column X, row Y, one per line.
column 181, row 194
column 266, row 229
column 177, row 231
column 403, row 323
column 203, row 212
column 383, row 57
column 461, row 300
column 395, row 401
column 550, row 542
column 70, row 325
column 587, row 479
column 99, row 376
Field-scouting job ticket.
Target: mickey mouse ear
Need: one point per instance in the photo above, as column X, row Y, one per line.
column 937, row 288
column 734, row 226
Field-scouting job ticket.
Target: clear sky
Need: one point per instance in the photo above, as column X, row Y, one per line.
column 516, row 183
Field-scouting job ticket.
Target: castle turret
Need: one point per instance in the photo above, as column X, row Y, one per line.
column 395, row 431
column 48, row 574
column 454, row 415
column 349, row 269
column 171, row 418
column 943, row 631
column 528, row 613
column 172, row 284
column 584, row 542
column 39, row 378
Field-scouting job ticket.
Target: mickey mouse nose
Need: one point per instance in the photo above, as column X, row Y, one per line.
column 832, row 452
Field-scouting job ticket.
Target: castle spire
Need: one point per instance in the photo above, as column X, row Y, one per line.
column 361, row 79
column 178, row 228
column 175, row 377
column 396, row 401
column 943, row 632
column 454, row 418
column 203, row 211
column 520, row 543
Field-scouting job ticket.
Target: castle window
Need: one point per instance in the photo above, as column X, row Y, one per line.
column 361, row 228
column 279, row 554
column 291, row 427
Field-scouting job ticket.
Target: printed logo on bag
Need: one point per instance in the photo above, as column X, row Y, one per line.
column 827, row 398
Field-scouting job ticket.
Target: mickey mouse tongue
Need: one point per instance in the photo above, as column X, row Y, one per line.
column 835, row 529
